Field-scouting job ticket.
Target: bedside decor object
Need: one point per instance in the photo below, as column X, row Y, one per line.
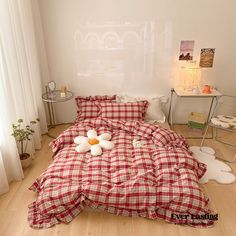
column 191, row 76
column 94, row 143
column 52, row 86
column 206, row 89
column 196, row 90
column 63, row 91
column 22, row 136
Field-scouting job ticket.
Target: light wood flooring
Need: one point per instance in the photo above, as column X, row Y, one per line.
column 13, row 208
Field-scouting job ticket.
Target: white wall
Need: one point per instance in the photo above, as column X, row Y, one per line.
column 109, row 63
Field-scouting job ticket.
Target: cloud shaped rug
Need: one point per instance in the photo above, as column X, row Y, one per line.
column 216, row 170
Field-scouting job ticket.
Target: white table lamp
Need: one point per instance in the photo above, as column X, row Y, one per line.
column 191, row 76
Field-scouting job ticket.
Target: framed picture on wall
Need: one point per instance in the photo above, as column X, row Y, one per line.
column 207, row 57
column 186, row 50
column 52, row 86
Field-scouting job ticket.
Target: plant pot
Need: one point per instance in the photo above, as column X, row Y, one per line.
column 26, row 160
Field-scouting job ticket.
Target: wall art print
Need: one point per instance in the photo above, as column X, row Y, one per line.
column 186, row 50
column 207, row 57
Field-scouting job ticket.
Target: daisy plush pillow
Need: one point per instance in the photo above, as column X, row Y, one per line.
column 93, row 143
column 154, row 113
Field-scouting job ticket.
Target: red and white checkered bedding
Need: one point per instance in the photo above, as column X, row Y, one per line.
column 154, row 181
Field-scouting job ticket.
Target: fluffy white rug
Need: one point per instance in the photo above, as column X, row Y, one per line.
column 216, row 170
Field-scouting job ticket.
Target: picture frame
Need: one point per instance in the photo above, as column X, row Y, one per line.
column 52, row 86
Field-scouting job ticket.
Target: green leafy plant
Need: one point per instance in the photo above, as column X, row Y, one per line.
column 23, row 134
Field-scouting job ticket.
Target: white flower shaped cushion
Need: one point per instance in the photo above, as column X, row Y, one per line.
column 94, row 143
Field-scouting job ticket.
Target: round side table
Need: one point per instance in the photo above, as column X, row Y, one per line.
column 54, row 97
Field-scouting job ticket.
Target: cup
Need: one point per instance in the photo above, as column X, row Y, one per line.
column 64, row 89
column 195, row 90
column 206, row 89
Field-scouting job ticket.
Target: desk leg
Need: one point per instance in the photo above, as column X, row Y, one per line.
column 213, row 110
column 53, row 115
column 51, row 118
column 170, row 109
column 210, row 109
column 210, row 114
column 49, row 112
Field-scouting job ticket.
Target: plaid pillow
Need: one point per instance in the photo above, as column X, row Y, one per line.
column 87, row 107
column 123, row 111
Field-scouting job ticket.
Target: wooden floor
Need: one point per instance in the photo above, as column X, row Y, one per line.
column 13, row 208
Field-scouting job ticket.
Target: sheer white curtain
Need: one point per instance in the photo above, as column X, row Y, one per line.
column 20, row 84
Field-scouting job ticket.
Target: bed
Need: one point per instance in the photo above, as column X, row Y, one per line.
column 157, row 180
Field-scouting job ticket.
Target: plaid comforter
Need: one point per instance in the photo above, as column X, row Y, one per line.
column 155, row 181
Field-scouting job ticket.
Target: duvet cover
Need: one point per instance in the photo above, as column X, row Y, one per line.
column 158, row 180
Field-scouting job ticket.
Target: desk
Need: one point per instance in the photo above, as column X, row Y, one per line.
column 54, row 97
column 188, row 94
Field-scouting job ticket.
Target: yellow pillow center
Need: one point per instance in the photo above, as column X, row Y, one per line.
column 93, row 141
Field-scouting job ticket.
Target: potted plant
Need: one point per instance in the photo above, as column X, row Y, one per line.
column 22, row 135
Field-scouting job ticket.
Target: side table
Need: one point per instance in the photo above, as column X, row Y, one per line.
column 214, row 95
column 54, row 97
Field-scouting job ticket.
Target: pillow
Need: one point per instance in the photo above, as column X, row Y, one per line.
column 87, row 108
column 123, row 111
column 154, row 111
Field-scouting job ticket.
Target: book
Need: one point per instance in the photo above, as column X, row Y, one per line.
column 197, row 120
